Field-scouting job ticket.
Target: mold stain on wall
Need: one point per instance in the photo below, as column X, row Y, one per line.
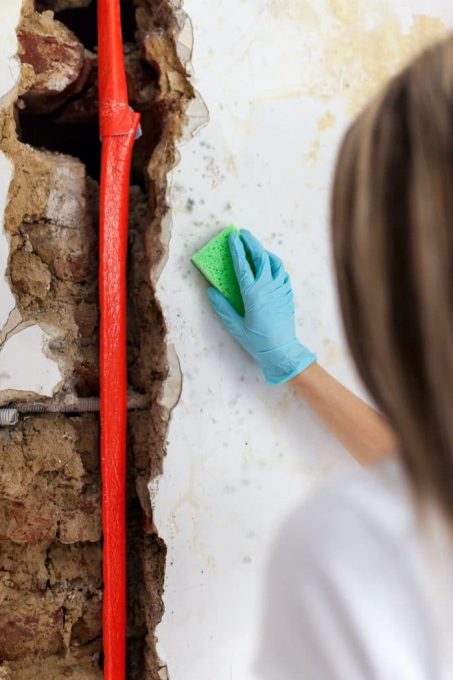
column 50, row 527
column 366, row 44
column 347, row 51
column 344, row 49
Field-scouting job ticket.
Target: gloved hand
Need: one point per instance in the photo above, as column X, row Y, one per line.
column 267, row 331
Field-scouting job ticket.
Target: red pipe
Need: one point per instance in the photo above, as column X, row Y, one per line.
column 118, row 124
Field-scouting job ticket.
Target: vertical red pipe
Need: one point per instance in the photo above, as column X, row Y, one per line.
column 118, row 130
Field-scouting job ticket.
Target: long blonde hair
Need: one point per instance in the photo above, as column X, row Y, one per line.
column 392, row 228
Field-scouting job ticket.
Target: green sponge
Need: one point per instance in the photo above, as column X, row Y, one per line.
column 215, row 263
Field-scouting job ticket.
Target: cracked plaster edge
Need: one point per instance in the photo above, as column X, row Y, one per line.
column 9, row 67
column 196, row 117
column 5, row 290
column 13, row 319
column 13, row 323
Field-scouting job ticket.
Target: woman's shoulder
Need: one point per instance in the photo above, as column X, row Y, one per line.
column 345, row 586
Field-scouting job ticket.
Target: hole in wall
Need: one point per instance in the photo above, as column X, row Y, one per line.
column 72, row 127
column 80, row 20
column 69, row 125
column 83, row 20
column 80, row 140
column 64, row 119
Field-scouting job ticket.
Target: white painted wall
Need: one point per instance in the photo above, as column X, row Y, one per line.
column 281, row 80
column 24, row 367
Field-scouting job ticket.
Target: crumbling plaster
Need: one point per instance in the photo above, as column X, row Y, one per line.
column 24, row 363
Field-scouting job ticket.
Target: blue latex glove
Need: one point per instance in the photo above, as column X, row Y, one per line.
column 267, row 331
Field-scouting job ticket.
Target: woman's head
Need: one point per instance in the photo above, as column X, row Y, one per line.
column 392, row 222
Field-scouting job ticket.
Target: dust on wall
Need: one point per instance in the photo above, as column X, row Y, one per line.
column 50, row 527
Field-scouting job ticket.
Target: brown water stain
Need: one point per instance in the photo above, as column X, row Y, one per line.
column 362, row 49
column 325, row 122
column 349, row 49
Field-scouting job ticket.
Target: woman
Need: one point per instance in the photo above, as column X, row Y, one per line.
column 361, row 581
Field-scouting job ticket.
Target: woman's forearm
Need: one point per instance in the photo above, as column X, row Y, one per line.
column 267, row 332
column 361, row 430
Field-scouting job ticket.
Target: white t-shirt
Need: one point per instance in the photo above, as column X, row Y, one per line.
column 359, row 587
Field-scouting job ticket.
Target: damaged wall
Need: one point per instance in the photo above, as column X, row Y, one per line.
column 50, row 524
column 281, row 80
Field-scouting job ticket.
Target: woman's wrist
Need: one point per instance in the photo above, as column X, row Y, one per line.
column 306, row 378
column 284, row 363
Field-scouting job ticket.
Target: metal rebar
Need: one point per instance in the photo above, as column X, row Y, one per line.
column 8, row 417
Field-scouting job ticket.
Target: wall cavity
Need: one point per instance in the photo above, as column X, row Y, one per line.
column 50, row 526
